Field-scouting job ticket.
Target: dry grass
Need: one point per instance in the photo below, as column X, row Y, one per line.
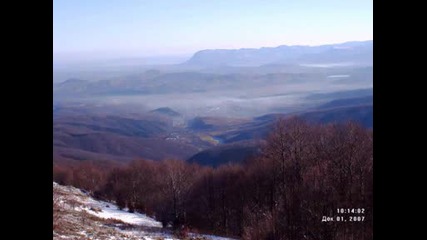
column 72, row 221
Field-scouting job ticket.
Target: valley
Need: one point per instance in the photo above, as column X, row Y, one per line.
column 212, row 120
column 184, row 111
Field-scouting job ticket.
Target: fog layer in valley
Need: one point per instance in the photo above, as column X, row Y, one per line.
column 122, row 110
column 232, row 83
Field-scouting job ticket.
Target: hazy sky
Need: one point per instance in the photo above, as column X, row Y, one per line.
column 172, row 27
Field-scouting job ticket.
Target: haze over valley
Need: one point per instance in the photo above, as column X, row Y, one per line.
column 213, row 120
column 215, row 100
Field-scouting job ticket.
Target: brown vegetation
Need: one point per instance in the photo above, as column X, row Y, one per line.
column 305, row 172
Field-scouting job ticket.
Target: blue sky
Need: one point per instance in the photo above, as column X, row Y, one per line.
column 176, row 27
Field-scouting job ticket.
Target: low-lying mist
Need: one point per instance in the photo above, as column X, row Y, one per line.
column 206, row 94
column 123, row 112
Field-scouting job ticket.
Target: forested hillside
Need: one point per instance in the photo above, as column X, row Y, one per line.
column 304, row 175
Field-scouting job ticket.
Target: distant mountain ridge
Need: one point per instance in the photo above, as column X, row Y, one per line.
column 356, row 52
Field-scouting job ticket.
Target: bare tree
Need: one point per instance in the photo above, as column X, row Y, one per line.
column 179, row 179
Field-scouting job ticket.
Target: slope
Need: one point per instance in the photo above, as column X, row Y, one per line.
column 76, row 215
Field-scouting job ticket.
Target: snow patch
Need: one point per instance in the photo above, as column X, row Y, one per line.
column 112, row 211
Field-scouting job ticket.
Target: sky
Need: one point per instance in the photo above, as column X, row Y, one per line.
column 147, row 28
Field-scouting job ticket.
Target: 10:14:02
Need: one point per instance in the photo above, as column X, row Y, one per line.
column 351, row 210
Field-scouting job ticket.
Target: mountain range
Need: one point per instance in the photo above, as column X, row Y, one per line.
column 355, row 53
column 215, row 108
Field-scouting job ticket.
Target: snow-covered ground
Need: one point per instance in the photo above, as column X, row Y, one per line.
column 108, row 210
column 80, row 216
